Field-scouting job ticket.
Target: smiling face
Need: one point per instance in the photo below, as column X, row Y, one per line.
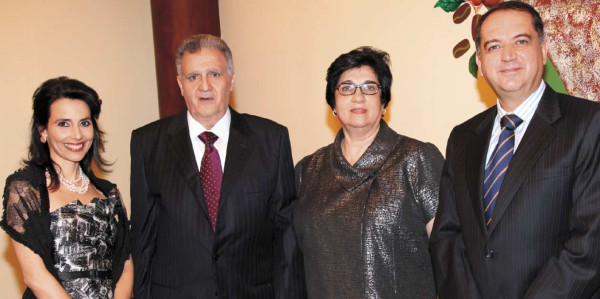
column 511, row 59
column 359, row 111
column 69, row 131
column 205, row 85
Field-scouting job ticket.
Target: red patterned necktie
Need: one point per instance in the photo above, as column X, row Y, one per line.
column 212, row 175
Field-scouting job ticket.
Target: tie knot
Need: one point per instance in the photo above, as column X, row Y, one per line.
column 208, row 138
column 510, row 121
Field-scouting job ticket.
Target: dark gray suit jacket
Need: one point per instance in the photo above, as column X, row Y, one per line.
column 544, row 241
column 253, row 251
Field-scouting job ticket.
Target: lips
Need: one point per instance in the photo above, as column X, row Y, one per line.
column 359, row 110
column 205, row 96
column 511, row 69
column 75, row 147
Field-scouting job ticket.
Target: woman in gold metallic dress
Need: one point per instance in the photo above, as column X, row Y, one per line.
column 366, row 202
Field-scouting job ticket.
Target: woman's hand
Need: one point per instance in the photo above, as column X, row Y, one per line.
column 429, row 226
column 35, row 274
column 124, row 287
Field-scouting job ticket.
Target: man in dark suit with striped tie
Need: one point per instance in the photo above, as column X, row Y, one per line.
column 519, row 211
column 211, row 193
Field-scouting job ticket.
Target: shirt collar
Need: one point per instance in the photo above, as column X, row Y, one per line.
column 526, row 109
column 221, row 128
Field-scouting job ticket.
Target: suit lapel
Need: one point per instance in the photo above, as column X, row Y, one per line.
column 180, row 148
column 537, row 137
column 476, row 155
column 239, row 148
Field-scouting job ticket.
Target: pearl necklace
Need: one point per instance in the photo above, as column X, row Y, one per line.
column 71, row 185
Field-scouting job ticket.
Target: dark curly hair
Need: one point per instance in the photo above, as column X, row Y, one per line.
column 378, row 60
column 43, row 97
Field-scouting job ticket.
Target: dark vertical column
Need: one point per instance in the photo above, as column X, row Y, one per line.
column 172, row 22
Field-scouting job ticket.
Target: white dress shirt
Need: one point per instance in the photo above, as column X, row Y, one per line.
column 525, row 112
column 221, row 129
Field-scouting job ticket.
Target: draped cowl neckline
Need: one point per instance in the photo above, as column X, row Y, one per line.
column 352, row 176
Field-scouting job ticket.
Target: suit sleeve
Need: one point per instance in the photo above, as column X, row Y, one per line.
column 574, row 273
column 143, row 221
column 288, row 272
column 453, row 278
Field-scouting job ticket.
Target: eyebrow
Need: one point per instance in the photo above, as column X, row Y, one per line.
column 489, row 42
column 365, row 82
column 70, row 120
column 208, row 70
column 514, row 37
column 522, row 35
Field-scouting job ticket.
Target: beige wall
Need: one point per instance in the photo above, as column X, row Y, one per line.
column 106, row 44
column 281, row 48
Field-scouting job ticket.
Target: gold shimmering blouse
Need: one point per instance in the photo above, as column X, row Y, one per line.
column 361, row 227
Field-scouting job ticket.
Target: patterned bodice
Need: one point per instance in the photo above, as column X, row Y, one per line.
column 84, row 238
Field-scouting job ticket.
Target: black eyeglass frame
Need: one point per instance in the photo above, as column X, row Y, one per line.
column 358, row 86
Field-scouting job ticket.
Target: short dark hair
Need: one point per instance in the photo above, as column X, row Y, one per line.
column 536, row 20
column 196, row 42
column 43, row 98
column 378, row 60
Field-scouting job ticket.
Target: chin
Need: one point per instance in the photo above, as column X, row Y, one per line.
column 361, row 125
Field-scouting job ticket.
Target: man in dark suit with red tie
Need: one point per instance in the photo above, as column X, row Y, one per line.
column 519, row 211
column 211, row 193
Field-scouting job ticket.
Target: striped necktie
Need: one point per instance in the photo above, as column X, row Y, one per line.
column 496, row 168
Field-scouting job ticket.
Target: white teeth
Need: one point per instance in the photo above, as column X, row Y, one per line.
column 75, row 147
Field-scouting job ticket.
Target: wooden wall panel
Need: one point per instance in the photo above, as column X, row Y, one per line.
column 172, row 22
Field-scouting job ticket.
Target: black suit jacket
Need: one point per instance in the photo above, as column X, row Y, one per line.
column 253, row 251
column 544, row 241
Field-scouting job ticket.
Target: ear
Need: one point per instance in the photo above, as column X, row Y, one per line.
column 478, row 62
column 232, row 81
column 43, row 132
column 180, row 83
column 545, row 51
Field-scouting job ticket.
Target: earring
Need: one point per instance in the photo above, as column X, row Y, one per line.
column 334, row 112
column 43, row 139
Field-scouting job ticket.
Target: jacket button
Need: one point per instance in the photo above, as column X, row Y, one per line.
column 215, row 257
column 490, row 254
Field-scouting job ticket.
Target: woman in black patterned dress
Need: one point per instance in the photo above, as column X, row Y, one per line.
column 68, row 228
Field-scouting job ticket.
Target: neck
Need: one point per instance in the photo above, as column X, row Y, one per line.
column 69, row 171
column 510, row 104
column 210, row 122
column 511, row 100
column 356, row 142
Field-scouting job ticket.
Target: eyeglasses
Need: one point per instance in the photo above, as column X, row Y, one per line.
column 347, row 89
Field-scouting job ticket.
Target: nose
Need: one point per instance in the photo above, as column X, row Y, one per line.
column 508, row 53
column 358, row 96
column 204, row 84
column 76, row 133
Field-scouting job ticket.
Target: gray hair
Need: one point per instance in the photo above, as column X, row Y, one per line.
column 195, row 43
